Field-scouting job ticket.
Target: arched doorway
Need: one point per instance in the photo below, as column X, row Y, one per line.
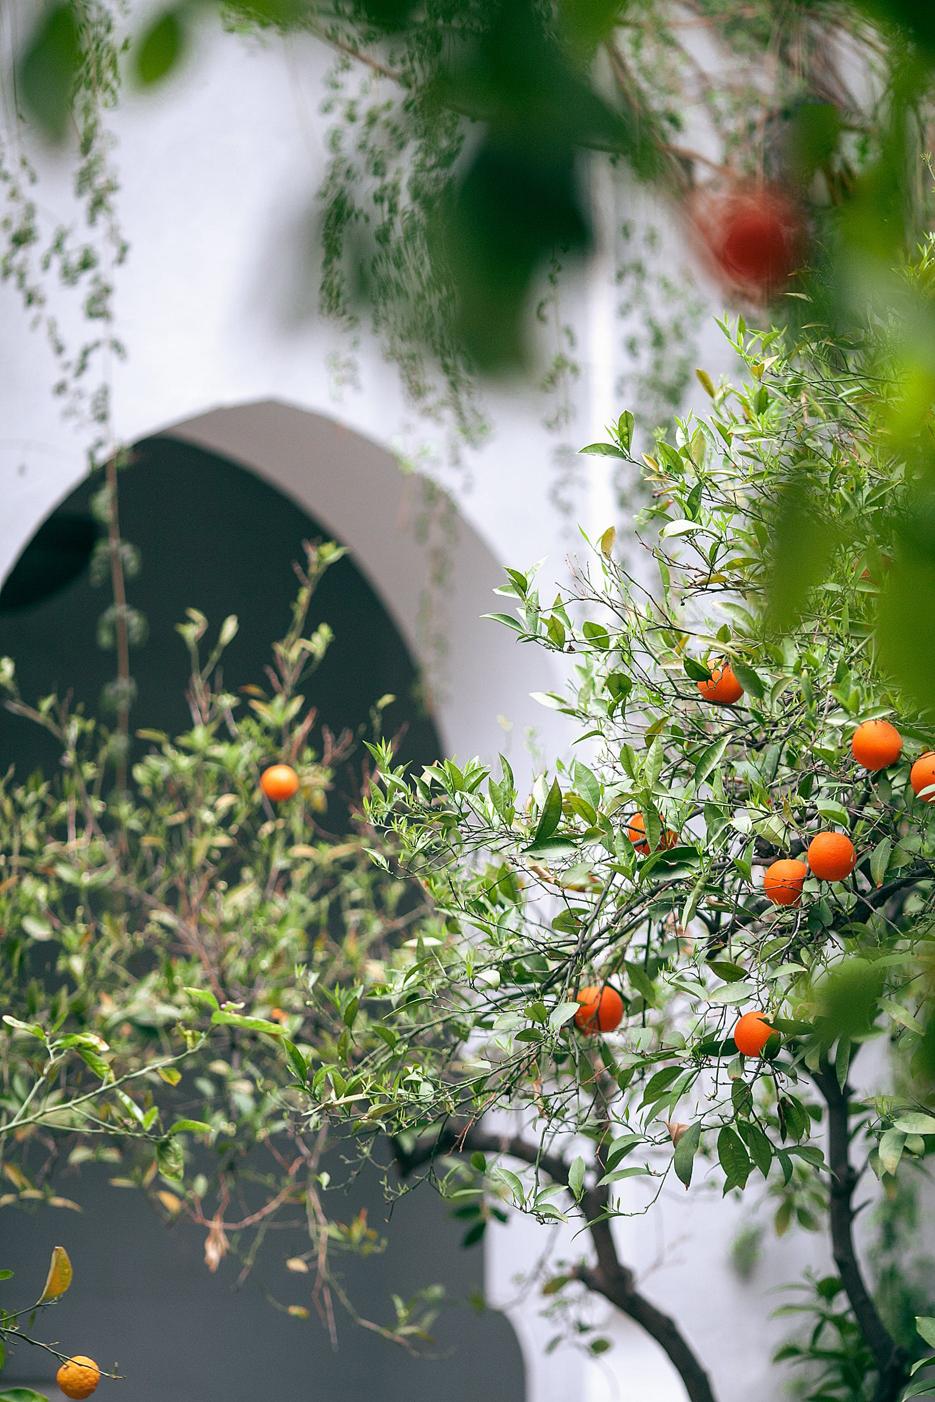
column 214, row 535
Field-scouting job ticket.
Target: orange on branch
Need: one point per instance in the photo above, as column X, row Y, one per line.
column 751, row 1033
column 78, row 1376
column 922, row 774
column 279, row 782
column 722, row 687
column 783, row 881
column 831, row 856
column 636, row 832
column 876, row 744
column 601, row 1009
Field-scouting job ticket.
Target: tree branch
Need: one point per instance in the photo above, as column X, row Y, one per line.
column 608, row 1277
column 889, row 1358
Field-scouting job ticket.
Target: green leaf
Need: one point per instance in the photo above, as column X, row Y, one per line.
column 297, row 1060
column 620, row 1147
column 189, row 1127
column 906, row 633
column 676, row 528
column 849, row 997
column 160, row 51
column 891, row 1150
column 562, row 1013
column 925, row 1387
column 730, row 973
column 625, row 425
column 474, row 1234
column 551, row 814
column 915, row 1122
column 658, row 1084
column 603, row 450
column 48, row 69
column 926, row 1326
column 758, row 1146
column 247, row 1024
column 709, row 759
column 685, row 1151
column 202, row 996
column 800, row 552
column 576, row 1177
column 506, row 619
column 597, row 634
column 512, row 1182
column 696, row 670
column 880, row 860
column 749, row 679
column 733, row 1158
column 23, row 1394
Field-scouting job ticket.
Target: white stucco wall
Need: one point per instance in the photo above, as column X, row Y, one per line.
column 215, row 175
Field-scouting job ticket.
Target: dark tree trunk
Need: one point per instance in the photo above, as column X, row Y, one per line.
column 891, row 1362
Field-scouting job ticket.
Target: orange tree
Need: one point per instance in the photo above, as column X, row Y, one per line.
column 701, row 950
column 163, row 942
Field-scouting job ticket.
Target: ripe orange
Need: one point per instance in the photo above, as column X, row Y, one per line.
column 636, row 832
column 783, row 881
column 758, row 238
column 722, row 687
column 831, row 856
column 752, row 1033
column 279, row 781
column 601, row 1009
column 876, row 745
column 922, row 774
column 78, row 1376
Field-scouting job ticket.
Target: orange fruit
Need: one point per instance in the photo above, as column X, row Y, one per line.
column 831, row 856
column 752, row 1033
column 758, row 238
column 922, row 774
column 783, row 881
column 601, row 1009
column 722, row 687
column 78, row 1376
column 279, row 781
column 636, row 832
column 876, row 745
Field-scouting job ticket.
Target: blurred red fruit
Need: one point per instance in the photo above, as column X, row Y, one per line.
column 757, row 239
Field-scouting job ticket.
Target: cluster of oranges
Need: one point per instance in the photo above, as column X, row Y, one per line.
column 831, row 856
